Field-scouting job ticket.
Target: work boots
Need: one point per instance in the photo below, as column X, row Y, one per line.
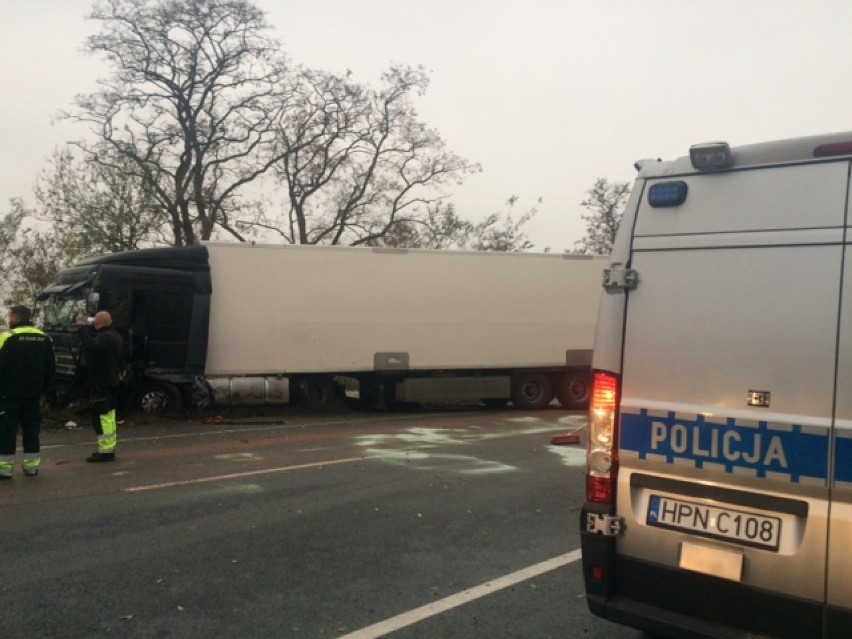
column 101, row 457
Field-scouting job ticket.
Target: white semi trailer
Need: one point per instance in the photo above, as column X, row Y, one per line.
column 238, row 324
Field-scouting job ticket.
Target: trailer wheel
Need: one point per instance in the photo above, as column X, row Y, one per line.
column 157, row 398
column 574, row 390
column 316, row 391
column 531, row 391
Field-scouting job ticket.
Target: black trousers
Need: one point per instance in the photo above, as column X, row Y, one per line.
column 26, row 413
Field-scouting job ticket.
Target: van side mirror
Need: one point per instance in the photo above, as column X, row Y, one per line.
column 92, row 303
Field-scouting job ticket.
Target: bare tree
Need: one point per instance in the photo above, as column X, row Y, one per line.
column 442, row 228
column 358, row 163
column 200, row 104
column 605, row 202
column 489, row 235
column 29, row 257
column 36, row 262
column 191, row 103
column 98, row 206
column 10, row 227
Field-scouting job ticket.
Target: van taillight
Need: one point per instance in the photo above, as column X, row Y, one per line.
column 602, row 454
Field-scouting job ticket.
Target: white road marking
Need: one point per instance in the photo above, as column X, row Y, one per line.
column 437, row 607
column 412, row 458
column 250, row 473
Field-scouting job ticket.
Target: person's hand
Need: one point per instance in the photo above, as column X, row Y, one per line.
column 81, row 319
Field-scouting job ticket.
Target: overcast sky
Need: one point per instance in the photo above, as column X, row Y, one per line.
column 547, row 95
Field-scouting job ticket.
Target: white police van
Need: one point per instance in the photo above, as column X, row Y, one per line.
column 719, row 480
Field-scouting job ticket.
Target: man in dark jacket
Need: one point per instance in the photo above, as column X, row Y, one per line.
column 27, row 365
column 103, row 352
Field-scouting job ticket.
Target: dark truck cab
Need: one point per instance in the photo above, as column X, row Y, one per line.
column 160, row 303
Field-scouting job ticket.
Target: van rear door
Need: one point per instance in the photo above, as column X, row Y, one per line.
column 839, row 583
column 729, row 371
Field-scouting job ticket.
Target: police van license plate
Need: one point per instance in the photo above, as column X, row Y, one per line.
column 739, row 526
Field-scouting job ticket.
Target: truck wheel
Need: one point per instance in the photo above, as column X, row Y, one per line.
column 531, row 391
column 157, row 398
column 574, row 391
column 316, row 391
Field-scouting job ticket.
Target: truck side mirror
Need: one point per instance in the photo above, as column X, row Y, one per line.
column 92, row 303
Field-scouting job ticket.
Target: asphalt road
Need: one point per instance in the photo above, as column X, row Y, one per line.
column 428, row 524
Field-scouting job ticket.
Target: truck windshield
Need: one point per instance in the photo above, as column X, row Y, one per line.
column 59, row 311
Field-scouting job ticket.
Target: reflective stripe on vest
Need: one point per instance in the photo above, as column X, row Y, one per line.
column 23, row 330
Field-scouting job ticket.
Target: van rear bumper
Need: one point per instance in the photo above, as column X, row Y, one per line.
column 678, row 603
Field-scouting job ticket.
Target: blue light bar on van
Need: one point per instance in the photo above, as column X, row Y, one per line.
column 665, row 194
column 711, row 156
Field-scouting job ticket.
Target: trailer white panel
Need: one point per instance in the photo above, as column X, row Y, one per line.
column 280, row 309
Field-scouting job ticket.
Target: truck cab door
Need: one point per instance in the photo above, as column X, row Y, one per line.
column 161, row 327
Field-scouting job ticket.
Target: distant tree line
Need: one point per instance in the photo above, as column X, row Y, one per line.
column 205, row 130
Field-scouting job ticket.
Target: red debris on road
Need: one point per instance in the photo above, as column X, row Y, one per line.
column 565, row 440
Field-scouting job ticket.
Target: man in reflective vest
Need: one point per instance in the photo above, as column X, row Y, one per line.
column 27, row 366
column 103, row 352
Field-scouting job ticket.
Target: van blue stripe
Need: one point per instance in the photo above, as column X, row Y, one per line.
column 763, row 449
column 843, row 457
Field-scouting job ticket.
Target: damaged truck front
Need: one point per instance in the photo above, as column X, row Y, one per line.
column 159, row 300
